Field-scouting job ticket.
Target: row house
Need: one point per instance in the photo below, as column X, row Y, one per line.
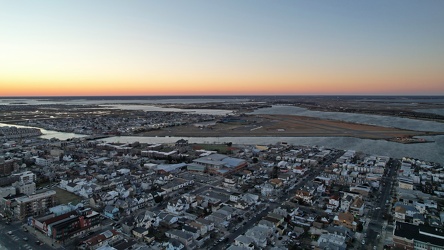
column 360, row 189
column 87, row 190
column 72, row 186
column 176, row 184
column 333, row 202
column 244, row 242
column 191, row 230
column 357, row 207
column 306, row 196
column 404, row 212
column 137, row 203
column 202, row 229
column 174, row 244
column 209, row 225
column 405, row 183
column 177, row 206
column 104, row 238
column 184, row 237
column 109, row 198
column 111, row 212
column 347, row 200
column 229, row 182
column 260, row 235
column 345, row 219
column 142, row 234
column 147, row 219
column 332, row 241
column 95, row 201
column 222, row 215
column 267, row 189
column 167, row 218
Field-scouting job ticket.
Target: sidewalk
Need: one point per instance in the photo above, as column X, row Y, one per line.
column 43, row 238
column 386, row 235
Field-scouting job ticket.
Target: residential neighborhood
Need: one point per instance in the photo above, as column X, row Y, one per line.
column 196, row 196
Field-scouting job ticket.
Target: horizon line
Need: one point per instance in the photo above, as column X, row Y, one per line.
column 228, row 95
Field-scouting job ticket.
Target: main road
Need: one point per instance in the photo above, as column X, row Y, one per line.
column 381, row 207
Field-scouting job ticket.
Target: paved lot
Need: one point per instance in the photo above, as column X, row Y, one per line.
column 19, row 239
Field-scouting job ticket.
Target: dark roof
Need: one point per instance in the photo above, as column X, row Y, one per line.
column 109, row 208
column 101, row 237
column 189, row 229
column 60, row 225
column 418, row 233
column 140, row 230
column 72, row 184
column 58, row 218
column 124, row 244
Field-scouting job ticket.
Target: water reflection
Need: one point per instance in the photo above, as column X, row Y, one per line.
column 378, row 120
column 161, row 109
column 48, row 134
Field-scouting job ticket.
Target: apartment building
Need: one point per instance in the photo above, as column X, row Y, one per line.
column 32, row 205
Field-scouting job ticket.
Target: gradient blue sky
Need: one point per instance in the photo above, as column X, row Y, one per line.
column 221, row 47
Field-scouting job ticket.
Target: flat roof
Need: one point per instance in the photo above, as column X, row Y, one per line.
column 35, row 196
column 427, row 234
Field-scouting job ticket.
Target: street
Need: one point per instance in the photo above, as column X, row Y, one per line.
column 16, row 240
column 270, row 206
column 381, row 207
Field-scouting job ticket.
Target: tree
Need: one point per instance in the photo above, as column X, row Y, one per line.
column 158, row 198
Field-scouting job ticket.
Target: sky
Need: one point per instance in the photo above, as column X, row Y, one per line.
column 230, row 47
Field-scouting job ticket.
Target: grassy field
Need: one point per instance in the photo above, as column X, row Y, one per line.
column 65, row 197
column 220, row 148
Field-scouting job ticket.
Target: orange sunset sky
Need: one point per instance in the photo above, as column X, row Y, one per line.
column 69, row 48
